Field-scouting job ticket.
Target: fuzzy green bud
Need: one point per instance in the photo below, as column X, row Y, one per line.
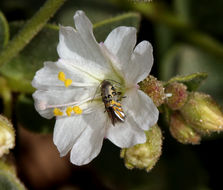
column 144, row 156
column 203, row 113
column 181, row 131
column 7, row 136
column 154, row 89
column 178, row 95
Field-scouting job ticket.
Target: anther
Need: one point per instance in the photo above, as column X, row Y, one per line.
column 61, row 76
column 77, row 110
column 69, row 110
column 67, row 82
column 57, row 112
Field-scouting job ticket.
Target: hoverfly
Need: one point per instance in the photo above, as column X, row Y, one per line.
column 111, row 99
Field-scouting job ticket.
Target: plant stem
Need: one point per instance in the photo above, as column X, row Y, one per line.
column 31, row 28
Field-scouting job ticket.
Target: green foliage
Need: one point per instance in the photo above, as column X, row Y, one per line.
column 192, row 81
column 4, row 31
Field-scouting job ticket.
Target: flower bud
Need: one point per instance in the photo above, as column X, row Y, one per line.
column 154, row 88
column 7, row 136
column 181, row 131
column 178, row 96
column 144, row 156
column 203, row 113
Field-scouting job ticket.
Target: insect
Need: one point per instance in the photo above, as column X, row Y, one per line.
column 111, row 99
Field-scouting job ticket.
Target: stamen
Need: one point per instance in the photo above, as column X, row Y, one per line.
column 77, row 110
column 69, row 110
column 57, row 112
column 61, row 76
column 69, row 104
column 67, row 82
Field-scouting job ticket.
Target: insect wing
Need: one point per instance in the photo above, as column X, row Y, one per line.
column 118, row 111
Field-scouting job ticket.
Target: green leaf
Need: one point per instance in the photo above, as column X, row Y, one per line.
column 4, row 31
column 8, row 178
column 192, row 81
column 29, row 118
column 102, row 29
column 21, row 70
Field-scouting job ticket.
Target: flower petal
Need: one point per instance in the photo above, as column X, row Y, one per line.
column 121, row 42
column 126, row 134
column 46, row 101
column 141, row 63
column 141, row 108
column 47, row 77
column 81, row 45
column 66, row 132
column 89, row 143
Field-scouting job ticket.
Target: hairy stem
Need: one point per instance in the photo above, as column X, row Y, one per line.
column 31, row 28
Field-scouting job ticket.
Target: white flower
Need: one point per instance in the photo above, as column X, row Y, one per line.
column 67, row 88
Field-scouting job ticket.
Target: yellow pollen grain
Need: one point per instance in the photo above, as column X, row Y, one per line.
column 77, row 110
column 69, row 110
column 67, row 82
column 61, row 76
column 57, row 112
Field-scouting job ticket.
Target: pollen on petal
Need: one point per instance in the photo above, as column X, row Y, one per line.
column 69, row 110
column 77, row 110
column 67, row 82
column 57, row 112
column 61, row 76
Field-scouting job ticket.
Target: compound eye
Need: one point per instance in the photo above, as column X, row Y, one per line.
column 109, row 96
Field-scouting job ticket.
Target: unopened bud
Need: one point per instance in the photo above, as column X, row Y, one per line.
column 203, row 113
column 154, row 89
column 7, row 136
column 181, row 131
column 178, row 92
column 144, row 156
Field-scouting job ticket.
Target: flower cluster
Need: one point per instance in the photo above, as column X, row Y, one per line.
column 70, row 90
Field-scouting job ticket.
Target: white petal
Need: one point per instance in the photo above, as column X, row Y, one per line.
column 89, row 143
column 81, row 45
column 121, row 42
column 126, row 134
column 66, row 131
column 46, row 101
column 47, row 77
column 141, row 63
column 141, row 108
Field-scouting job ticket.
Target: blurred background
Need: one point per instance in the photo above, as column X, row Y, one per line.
column 187, row 37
